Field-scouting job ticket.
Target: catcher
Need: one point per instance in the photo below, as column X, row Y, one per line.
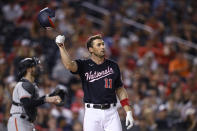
column 25, row 99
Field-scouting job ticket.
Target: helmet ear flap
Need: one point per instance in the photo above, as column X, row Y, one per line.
column 21, row 73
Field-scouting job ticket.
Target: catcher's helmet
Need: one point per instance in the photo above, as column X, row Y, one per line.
column 25, row 64
column 44, row 17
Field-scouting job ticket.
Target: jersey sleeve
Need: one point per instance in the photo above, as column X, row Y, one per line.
column 79, row 67
column 118, row 82
column 23, row 93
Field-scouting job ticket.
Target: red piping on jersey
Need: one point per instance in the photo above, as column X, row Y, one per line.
column 25, row 97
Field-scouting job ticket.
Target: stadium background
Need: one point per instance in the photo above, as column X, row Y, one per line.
column 153, row 41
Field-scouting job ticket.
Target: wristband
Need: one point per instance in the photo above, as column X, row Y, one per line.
column 124, row 102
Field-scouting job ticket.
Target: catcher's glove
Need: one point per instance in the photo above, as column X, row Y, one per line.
column 60, row 91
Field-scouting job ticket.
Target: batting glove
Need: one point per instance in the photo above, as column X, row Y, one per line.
column 60, row 39
column 129, row 120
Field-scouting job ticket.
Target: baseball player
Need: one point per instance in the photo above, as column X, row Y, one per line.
column 101, row 82
column 25, row 97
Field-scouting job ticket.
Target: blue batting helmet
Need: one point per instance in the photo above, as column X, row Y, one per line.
column 45, row 17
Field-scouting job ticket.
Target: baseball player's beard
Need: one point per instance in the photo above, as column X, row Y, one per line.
column 36, row 72
column 98, row 55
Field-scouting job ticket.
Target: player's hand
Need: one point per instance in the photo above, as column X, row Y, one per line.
column 53, row 99
column 59, row 40
column 129, row 120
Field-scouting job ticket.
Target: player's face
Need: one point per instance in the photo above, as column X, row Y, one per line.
column 98, row 48
column 36, row 71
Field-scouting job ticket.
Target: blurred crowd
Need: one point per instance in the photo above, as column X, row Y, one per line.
column 160, row 75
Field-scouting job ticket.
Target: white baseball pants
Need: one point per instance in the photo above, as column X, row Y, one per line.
column 101, row 120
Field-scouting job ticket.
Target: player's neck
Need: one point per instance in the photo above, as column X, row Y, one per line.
column 97, row 60
column 29, row 77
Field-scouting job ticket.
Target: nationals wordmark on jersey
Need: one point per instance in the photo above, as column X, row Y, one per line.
column 96, row 75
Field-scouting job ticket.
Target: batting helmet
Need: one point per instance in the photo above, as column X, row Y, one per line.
column 45, row 17
column 25, row 64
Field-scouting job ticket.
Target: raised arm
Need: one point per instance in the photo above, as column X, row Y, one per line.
column 66, row 60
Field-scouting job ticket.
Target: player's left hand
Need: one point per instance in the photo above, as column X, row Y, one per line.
column 129, row 120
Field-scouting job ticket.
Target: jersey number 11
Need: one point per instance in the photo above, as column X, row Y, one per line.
column 108, row 83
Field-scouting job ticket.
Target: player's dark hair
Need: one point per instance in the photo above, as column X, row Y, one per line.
column 89, row 43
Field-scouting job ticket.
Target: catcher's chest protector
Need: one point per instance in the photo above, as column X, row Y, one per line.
column 33, row 90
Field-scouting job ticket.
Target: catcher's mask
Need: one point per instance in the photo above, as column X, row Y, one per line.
column 28, row 63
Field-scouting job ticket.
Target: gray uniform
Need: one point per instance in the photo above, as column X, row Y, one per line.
column 19, row 120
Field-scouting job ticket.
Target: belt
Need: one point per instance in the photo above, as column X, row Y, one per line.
column 23, row 116
column 100, row 106
column 16, row 104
